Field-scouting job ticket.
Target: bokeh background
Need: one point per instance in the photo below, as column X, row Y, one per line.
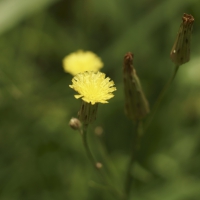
column 40, row 156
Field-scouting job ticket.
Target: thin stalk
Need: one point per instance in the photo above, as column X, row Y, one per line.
column 135, row 147
column 86, row 146
column 111, row 167
column 114, row 191
column 160, row 97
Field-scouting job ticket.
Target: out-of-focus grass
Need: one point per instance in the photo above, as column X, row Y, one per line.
column 41, row 158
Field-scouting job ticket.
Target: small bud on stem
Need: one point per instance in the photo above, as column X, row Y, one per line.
column 75, row 124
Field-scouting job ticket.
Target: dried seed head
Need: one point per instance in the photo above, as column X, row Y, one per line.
column 136, row 104
column 180, row 52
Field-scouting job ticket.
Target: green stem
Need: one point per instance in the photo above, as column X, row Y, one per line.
column 160, row 97
column 114, row 191
column 110, row 166
column 135, row 147
column 86, row 146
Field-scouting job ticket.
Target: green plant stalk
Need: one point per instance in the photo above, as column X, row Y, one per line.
column 160, row 98
column 86, row 146
column 135, row 147
column 111, row 167
column 114, row 191
column 139, row 131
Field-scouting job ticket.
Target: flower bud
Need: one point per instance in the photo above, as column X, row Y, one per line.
column 75, row 124
column 136, row 104
column 99, row 165
column 180, row 52
column 98, row 131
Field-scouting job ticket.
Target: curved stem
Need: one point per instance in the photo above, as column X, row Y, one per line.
column 135, row 147
column 86, row 146
column 111, row 168
column 114, row 191
column 160, row 97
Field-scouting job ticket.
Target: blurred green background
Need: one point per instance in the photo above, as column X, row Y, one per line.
column 41, row 157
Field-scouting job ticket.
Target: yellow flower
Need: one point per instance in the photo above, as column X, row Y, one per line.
column 93, row 87
column 82, row 61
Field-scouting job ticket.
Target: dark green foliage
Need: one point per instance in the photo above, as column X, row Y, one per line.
column 40, row 156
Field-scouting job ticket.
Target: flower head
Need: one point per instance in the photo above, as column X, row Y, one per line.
column 82, row 61
column 180, row 52
column 93, row 87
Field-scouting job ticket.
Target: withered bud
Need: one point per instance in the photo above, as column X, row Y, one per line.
column 128, row 61
column 87, row 113
column 180, row 52
column 98, row 131
column 136, row 104
column 75, row 124
column 99, row 165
